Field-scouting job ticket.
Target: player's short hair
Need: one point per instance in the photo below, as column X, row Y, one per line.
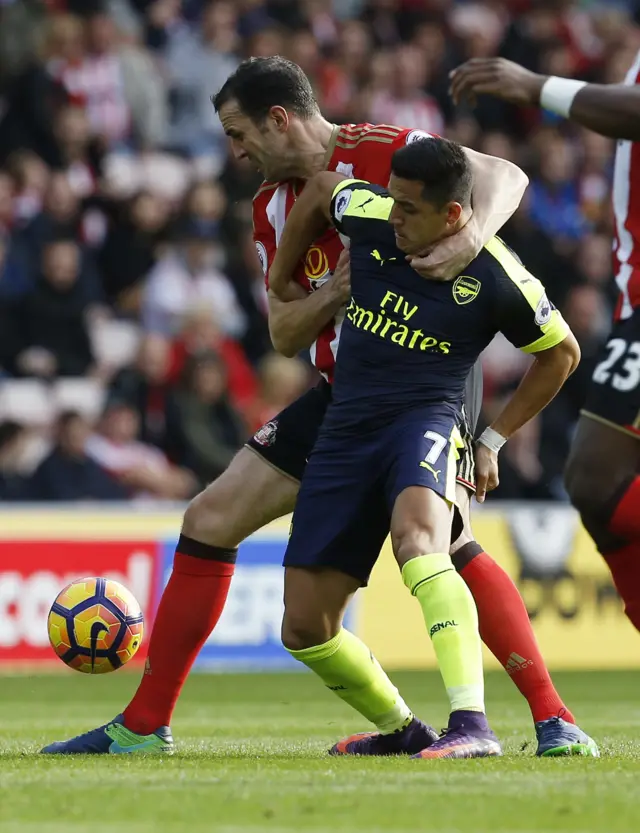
column 440, row 165
column 259, row 84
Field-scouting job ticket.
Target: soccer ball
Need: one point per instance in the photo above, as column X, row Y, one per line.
column 95, row 625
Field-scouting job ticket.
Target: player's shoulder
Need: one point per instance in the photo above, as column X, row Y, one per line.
column 503, row 261
column 352, row 136
column 496, row 268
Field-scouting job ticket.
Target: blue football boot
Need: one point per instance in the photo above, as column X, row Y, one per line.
column 558, row 738
column 113, row 739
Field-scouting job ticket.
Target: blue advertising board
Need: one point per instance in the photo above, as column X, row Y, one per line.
column 247, row 637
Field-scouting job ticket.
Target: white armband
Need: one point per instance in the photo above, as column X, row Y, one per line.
column 491, row 439
column 557, row 94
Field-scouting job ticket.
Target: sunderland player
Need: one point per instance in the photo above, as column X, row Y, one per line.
column 603, row 471
column 268, row 109
column 385, row 458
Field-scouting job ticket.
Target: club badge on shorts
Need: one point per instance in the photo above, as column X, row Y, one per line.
column 266, row 435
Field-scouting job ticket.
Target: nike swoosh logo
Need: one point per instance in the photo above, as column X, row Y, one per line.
column 116, row 749
column 97, row 629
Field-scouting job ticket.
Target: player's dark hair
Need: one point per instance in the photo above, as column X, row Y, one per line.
column 440, row 165
column 259, row 84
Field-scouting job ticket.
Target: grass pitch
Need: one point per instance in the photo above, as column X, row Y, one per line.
column 252, row 759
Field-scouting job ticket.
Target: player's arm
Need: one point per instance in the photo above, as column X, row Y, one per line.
column 529, row 320
column 295, row 324
column 498, row 188
column 308, row 219
column 609, row 109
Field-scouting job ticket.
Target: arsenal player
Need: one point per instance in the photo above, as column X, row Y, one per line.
column 268, row 110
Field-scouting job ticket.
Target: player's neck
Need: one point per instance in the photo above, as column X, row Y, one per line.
column 313, row 140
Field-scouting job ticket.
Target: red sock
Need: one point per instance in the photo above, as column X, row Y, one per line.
column 625, row 521
column 506, row 630
column 625, row 570
column 189, row 610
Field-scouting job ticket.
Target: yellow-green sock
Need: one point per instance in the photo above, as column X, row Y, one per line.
column 349, row 669
column 452, row 623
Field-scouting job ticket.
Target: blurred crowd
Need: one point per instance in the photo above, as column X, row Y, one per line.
column 134, row 351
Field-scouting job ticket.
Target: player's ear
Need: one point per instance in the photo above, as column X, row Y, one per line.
column 454, row 212
column 280, row 118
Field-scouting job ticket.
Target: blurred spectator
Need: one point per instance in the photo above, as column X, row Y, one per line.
column 60, row 217
column 406, row 102
column 213, row 430
column 200, row 332
column 31, row 176
column 13, row 438
column 14, row 272
column 79, row 156
column 117, row 85
column 129, row 250
column 281, row 381
column 188, row 276
column 52, row 338
column 554, row 195
column 68, row 473
column 146, row 388
column 143, row 470
column 198, row 62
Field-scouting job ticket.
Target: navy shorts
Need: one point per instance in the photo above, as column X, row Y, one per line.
column 286, row 441
column 350, row 485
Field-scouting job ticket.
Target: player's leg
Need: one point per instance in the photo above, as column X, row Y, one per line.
column 603, row 471
column 248, row 495
column 421, row 491
column 603, row 482
column 504, row 623
column 336, row 536
column 260, row 485
column 506, row 630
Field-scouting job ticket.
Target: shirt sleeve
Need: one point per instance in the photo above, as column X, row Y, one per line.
column 360, row 209
column 264, row 236
column 524, row 314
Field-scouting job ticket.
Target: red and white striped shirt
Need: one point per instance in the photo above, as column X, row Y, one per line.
column 626, row 207
column 362, row 151
column 96, row 83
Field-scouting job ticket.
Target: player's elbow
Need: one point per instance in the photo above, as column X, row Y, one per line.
column 562, row 359
column 571, row 352
column 283, row 343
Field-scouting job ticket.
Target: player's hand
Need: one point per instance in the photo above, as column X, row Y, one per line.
column 341, row 280
column 498, row 77
column 486, row 471
column 450, row 256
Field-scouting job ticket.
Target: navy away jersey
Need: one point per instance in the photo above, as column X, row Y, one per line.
column 407, row 341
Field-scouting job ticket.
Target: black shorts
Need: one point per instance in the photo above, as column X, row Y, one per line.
column 287, row 440
column 614, row 394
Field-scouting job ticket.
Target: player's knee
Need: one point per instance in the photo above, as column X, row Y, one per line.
column 587, row 493
column 592, row 491
column 204, row 519
column 300, row 631
column 415, row 539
